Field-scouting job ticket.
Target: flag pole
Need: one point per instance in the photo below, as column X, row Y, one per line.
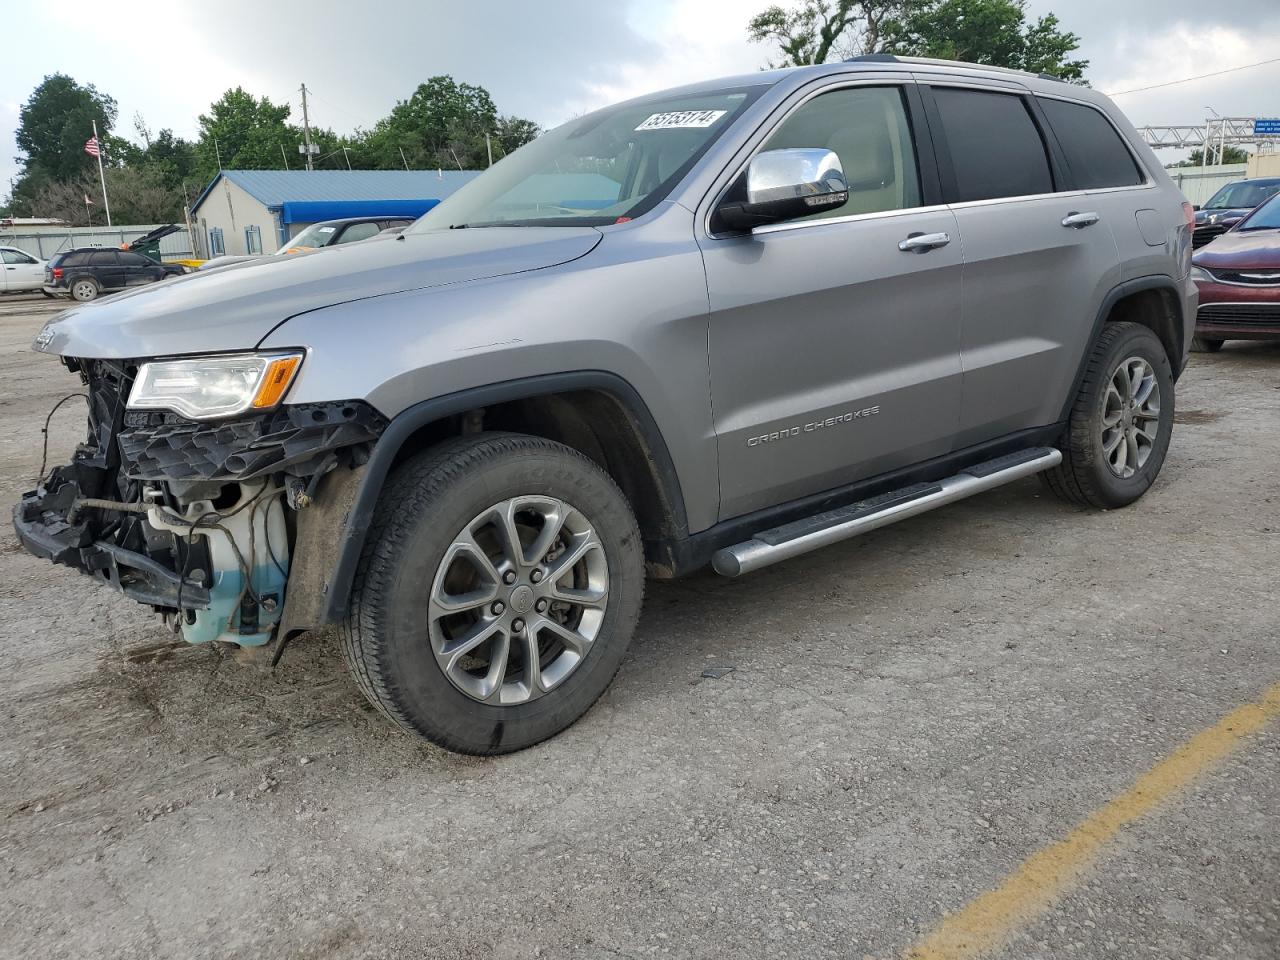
column 102, row 177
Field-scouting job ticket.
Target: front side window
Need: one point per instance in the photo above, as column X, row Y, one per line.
column 867, row 128
column 135, row 260
column 996, row 148
column 1095, row 152
column 357, row 232
column 16, row 256
column 1242, row 196
column 613, row 164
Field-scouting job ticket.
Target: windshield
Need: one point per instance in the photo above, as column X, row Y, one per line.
column 612, row 164
column 1242, row 196
column 1266, row 217
column 316, row 235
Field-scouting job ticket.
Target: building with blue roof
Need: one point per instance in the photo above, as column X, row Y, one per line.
column 258, row 211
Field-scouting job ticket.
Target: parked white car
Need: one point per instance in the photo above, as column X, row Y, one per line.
column 21, row 271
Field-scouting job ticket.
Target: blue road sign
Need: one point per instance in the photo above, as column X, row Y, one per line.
column 1266, row 128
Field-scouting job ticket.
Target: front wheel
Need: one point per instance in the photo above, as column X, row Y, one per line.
column 499, row 588
column 1121, row 422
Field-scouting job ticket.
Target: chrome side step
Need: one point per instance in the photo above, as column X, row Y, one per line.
column 792, row 539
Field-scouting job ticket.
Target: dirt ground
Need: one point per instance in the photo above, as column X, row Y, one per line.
column 909, row 717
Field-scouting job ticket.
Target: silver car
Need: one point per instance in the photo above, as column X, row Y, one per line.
column 722, row 325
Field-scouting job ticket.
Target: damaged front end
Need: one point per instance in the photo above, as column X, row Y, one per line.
column 196, row 518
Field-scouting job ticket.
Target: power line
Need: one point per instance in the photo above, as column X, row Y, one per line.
column 1203, row 76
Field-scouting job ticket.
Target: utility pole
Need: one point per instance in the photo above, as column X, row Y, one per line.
column 403, row 160
column 346, row 157
column 489, row 148
column 306, row 127
column 284, row 156
column 217, row 152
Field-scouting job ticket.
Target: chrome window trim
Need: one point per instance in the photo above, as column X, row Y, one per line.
column 851, row 218
column 823, row 86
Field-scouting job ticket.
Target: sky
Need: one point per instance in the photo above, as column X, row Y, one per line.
column 555, row 59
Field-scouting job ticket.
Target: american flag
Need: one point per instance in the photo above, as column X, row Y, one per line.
column 93, row 147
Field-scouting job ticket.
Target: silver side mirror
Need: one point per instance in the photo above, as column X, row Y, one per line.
column 787, row 184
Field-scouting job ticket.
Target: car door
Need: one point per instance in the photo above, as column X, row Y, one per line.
column 105, row 267
column 834, row 351
column 1037, row 258
column 21, row 271
column 137, row 269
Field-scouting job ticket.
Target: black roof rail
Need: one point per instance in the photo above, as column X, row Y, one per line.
column 874, row 58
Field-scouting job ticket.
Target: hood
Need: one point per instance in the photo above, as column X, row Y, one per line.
column 235, row 307
column 1241, row 250
column 1227, row 215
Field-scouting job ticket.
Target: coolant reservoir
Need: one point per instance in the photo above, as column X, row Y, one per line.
column 249, row 535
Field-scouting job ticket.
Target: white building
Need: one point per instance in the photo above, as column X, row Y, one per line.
column 258, row 211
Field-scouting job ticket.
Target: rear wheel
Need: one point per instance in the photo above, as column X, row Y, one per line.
column 1206, row 344
column 84, row 289
column 1121, row 422
column 500, row 585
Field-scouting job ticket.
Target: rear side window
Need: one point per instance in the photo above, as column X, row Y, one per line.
column 996, row 148
column 1095, row 152
column 103, row 258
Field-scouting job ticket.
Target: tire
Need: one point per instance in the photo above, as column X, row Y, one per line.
column 84, row 289
column 396, row 640
column 1088, row 474
column 1206, row 345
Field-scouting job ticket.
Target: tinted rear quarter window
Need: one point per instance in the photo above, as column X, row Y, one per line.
column 1095, row 151
column 996, row 148
column 72, row 260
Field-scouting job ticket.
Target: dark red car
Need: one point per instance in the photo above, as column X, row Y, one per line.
column 1239, row 279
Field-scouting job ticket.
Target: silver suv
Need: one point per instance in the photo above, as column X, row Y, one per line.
column 725, row 324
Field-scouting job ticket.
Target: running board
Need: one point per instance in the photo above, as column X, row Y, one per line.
column 811, row 533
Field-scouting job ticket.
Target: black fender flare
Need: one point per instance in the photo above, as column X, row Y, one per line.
column 351, row 540
column 1114, row 296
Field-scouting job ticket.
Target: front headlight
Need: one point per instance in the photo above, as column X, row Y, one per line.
column 1201, row 275
column 208, row 388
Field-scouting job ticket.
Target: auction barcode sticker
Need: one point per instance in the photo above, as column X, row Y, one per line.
column 684, row 119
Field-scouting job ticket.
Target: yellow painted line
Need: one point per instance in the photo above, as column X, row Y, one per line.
column 988, row 921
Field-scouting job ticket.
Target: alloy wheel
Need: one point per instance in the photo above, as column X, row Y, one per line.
column 1130, row 417
column 518, row 599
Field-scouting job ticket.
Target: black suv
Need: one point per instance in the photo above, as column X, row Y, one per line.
column 1230, row 205
column 83, row 274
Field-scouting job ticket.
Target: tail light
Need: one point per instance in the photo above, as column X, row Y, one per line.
column 1189, row 215
column 57, row 273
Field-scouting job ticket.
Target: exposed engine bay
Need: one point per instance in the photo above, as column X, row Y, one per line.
column 195, row 519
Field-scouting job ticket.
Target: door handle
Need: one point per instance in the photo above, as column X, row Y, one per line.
column 1079, row 221
column 924, row 242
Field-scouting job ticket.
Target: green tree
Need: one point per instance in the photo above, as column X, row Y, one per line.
column 512, row 133
column 992, row 32
column 442, row 124
column 1231, row 154
column 819, row 30
column 55, row 122
column 247, row 132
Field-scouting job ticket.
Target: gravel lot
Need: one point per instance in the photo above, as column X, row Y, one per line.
column 909, row 716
